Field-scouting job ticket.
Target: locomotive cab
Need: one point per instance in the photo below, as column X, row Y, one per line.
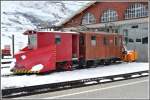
column 47, row 51
column 32, row 39
column 35, row 58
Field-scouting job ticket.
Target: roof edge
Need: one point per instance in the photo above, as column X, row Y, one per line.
column 78, row 12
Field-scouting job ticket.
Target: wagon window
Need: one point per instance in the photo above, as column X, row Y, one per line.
column 120, row 41
column 57, row 39
column 138, row 40
column 81, row 40
column 116, row 42
column 105, row 41
column 93, row 40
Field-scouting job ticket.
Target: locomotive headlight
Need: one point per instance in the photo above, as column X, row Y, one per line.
column 37, row 67
column 23, row 57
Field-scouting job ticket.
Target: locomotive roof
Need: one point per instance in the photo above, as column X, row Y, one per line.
column 28, row 32
column 70, row 32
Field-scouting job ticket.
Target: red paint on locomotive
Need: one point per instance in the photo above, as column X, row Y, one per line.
column 49, row 51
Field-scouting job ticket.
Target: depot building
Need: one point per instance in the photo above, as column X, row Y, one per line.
column 127, row 18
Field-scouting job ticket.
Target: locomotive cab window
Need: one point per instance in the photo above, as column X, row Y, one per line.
column 57, row 39
column 32, row 41
column 93, row 40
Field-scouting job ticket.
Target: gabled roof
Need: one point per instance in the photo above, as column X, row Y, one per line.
column 78, row 12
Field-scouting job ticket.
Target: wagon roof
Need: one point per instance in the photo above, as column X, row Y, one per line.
column 106, row 33
column 29, row 32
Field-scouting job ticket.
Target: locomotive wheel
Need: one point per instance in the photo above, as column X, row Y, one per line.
column 89, row 64
column 82, row 63
column 96, row 63
column 68, row 66
column 113, row 61
column 101, row 62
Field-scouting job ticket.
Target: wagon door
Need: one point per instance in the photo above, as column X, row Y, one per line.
column 75, row 46
column 82, row 45
column 120, row 43
column 106, row 46
column 111, row 47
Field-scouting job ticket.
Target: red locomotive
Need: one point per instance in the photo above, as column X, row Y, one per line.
column 49, row 51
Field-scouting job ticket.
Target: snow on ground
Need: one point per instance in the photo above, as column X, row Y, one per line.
column 29, row 80
column 5, row 71
column 7, row 60
column 12, row 60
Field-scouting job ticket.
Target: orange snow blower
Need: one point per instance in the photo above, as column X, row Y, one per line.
column 130, row 56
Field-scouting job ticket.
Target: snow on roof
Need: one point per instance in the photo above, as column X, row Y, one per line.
column 79, row 11
column 98, row 32
column 28, row 32
column 60, row 31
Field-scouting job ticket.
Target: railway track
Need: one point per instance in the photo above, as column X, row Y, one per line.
column 29, row 90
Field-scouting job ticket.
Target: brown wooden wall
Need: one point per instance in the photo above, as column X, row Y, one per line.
column 101, row 50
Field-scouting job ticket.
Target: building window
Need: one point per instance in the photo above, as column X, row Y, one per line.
column 88, row 18
column 131, row 40
column 135, row 11
column 134, row 26
column 116, row 30
column 93, row 40
column 109, row 15
column 138, row 40
column 57, row 39
column 145, row 40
